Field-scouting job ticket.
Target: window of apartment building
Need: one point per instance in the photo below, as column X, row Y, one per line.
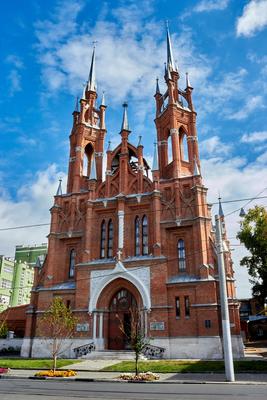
column 181, row 255
column 186, row 306
column 7, row 269
column 6, row 284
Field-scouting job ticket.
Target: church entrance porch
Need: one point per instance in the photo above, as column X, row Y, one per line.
column 120, row 320
column 112, row 310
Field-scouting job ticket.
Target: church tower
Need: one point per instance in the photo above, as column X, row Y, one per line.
column 120, row 239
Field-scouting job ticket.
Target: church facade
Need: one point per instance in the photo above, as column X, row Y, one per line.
column 132, row 239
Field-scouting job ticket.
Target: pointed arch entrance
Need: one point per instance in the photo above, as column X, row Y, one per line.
column 120, row 320
column 113, row 308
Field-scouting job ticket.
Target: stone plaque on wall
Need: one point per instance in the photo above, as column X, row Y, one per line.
column 82, row 327
column 157, row 326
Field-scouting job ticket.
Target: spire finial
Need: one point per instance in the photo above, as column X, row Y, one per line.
column 155, row 165
column 170, row 62
column 188, row 84
column 125, row 123
column 196, row 168
column 103, row 102
column 221, row 214
column 59, row 189
column 139, row 141
column 77, row 104
column 109, row 146
column 91, row 84
column 157, row 86
column 93, row 168
column 84, row 90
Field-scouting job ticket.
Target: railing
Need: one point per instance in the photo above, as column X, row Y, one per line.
column 84, row 349
column 151, row 351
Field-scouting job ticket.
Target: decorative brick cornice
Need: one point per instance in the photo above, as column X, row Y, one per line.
column 192, row 138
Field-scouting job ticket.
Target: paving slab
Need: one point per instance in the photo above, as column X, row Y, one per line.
column 91, row 365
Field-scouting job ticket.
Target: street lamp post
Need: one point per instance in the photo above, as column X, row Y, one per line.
column 227, row 344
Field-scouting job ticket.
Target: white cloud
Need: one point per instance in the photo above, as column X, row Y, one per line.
column 130, row 54
column 213, row 147
column 262, row 159
column 211, row 5
column 235, row 179
column 14, row 76
column 251, row 104
column 254, row 137
column 253, row 19
column 31, row 207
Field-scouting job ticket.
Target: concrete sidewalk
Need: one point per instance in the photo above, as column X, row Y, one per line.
column 244, row 378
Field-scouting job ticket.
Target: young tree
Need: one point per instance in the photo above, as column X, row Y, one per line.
column 135, row 334
column 57, row 325
column 253, row 234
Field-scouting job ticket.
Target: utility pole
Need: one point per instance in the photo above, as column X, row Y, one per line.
column 227, row 343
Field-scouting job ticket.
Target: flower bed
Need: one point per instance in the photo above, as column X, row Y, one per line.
column 4, row 370
column 142, row 376
column 56, row 374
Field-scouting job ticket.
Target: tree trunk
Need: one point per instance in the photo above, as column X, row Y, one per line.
column 54, row 362
column 136, row 364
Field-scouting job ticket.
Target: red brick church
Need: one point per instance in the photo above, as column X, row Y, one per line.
column 132, row 239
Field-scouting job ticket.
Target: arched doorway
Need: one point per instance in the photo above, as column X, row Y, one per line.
column 120, row 308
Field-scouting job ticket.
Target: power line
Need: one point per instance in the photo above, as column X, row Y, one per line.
column 151, row 264
column 150, row 212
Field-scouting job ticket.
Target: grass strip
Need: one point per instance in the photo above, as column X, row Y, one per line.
column 171, row 366
column 23, row 363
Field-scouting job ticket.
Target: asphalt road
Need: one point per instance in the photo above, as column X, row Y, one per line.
column 20, row 389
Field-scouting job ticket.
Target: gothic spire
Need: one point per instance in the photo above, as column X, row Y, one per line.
column 93, row 168
column 157, row 86
column 125, row 123
column 155, row 165
column 221, row 214
column 188, row 84
column 91, row 84
column 170, row 61
column 103, row 101
column 77, row 104
column 59, row 189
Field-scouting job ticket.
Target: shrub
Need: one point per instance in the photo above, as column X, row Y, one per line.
column 56, row 374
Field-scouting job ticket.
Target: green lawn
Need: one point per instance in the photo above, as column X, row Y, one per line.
column 170, row 366
column 24, row 363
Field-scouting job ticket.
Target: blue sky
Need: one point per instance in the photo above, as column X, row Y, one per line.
column 45, row 55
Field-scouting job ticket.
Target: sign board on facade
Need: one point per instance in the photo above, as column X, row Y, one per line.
column 157, row 326
column 82, row 327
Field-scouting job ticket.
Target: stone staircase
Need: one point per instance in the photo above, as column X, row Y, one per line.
column 111, row 355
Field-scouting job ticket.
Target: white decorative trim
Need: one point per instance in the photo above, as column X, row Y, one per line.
column 72, row 159
column 99, row 153
column 173, row 131
column 108, row 172
column 121, row 229
column 163, row 143
column 192, row 138
column 78, row 148
column 140, row 278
